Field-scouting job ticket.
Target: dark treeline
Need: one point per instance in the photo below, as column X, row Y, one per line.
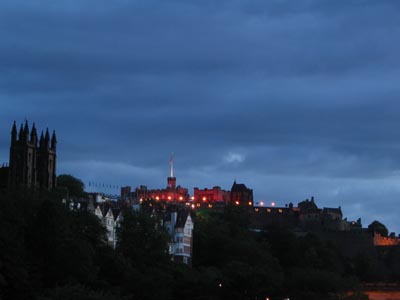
column 49, row 252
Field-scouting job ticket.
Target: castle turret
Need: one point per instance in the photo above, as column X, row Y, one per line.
column 172, row 182
column 172, row 178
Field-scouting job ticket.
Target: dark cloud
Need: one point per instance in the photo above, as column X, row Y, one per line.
column 294, row 99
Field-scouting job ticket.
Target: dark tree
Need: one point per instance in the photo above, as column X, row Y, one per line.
column 142, row 239
column 378, row 227
column 74, row 185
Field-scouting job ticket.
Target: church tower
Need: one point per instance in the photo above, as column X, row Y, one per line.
column 22, row 157
column 46, row 160
column 32, row 165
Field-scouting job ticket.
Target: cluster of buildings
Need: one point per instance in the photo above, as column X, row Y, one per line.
column 32, row 164
column 176, row 220
column 327, row 222
column 306, row 216
column 239, row 194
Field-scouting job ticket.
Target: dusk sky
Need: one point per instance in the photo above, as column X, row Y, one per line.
column 293, row 98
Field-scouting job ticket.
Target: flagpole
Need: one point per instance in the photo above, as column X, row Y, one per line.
column 171, row 161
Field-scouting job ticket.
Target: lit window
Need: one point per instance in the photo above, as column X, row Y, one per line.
column 268, row 210
column 280, row 211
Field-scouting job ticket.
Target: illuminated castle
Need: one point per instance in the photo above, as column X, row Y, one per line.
column 171, row 193
column 211, row 197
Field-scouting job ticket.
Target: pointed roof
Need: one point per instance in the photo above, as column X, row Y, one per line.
column 21, row 131
column 33, row 131
column 14, row 128
column 26, row 128
column 47, row 136
column 116, row 212
column 237, row 187
column 53, row 139
column 41, row 138
column 181, row 218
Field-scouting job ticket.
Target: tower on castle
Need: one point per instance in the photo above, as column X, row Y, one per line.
column 172, row 178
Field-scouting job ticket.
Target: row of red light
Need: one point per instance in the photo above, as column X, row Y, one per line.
column 169, row 198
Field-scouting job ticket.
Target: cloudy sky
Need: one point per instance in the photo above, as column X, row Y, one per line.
column 293, row 98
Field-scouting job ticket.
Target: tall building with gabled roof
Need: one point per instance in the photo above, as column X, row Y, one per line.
column 241, row 195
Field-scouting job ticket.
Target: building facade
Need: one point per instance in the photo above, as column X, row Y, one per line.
column 32, row 160
column 241, row 195
column 210, row 197
column 179, row 225
column 171, row 193
column 110, row 217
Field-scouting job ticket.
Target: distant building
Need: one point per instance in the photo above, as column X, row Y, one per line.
column 172, row 193
column 179, row 225
column 211, row 197
column 241, row 195
column 125, row 192
column 32, row 161
column 275, row 217
column 386, row 241
column 305, row 217
column 110, row 217
column 310, row 215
